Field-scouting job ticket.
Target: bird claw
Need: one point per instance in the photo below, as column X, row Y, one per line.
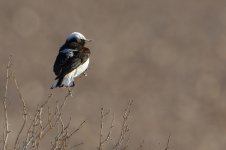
column 85, row 73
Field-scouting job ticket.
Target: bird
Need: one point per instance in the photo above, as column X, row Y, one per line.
column 72, row 60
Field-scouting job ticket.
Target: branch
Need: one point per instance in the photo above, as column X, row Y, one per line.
column 124, row 128
column 56, row 115
column 72, row 147
column 76, row 130
column 39, row 128
column 24, row 113
column 108, row 137
column 31, row 132
column 61, row 139
column 167, row 144
column 6, row 124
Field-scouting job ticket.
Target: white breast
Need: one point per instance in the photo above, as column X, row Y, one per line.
column 82, row 68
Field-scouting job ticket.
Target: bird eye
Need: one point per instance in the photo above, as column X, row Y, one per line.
column 82, row 42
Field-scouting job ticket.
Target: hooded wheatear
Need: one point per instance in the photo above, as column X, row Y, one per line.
column 72, row 60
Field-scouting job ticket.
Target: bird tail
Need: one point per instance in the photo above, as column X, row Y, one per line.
column 66, row 81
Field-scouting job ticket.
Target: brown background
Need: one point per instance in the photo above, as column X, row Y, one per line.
column 168, row 56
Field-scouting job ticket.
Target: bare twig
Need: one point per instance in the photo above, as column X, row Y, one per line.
column 32, row 132
column 72, row 147
column 101, row 128
column 167, row 144
column 124, row 128
column 76, row 130
column 24, row 113
column 108, row 137
column 6, row 124
column 56, row 115
column 39, row 128
column 126, row 145
column 61, row 139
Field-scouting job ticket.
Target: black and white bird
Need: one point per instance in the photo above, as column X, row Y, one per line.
column 72, row 60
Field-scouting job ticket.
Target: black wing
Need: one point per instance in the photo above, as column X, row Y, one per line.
column 65, row 63
column 84, row 54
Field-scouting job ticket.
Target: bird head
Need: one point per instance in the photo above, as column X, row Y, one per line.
column 77, row 38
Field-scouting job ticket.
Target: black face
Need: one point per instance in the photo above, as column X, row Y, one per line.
column 82, row 42
column 74, row 42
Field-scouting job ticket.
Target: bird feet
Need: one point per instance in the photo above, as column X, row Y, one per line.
column 85, row 73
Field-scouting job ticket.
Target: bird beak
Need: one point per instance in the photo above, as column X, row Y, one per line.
column 89, row 40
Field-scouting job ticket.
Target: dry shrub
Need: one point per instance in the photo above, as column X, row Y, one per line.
column 48, row 118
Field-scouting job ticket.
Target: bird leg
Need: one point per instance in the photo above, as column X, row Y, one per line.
column 85, row 73
column 69, row 92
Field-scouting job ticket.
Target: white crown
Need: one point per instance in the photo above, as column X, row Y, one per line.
column 78, row 36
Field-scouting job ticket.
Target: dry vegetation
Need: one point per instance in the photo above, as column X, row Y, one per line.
column 48, row 117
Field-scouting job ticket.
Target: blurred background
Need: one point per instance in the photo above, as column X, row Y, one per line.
column 167, row 56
